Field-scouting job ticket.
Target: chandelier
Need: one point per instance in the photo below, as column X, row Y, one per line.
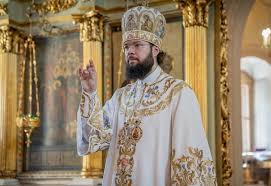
column 266, row 35
column 28, row 116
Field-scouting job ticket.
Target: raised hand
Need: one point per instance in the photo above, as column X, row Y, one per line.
column 88, row 77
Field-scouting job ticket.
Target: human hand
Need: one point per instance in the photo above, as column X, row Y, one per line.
column 88, row 77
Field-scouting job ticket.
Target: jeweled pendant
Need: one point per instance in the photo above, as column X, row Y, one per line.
column 136, row 133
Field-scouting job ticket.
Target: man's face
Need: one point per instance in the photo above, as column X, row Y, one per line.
column 139, row 58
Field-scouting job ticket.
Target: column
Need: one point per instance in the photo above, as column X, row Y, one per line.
column 91, row 34
column 9, row 45
column 195, row 19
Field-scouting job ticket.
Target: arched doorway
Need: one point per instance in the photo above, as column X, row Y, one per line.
column 254, row 103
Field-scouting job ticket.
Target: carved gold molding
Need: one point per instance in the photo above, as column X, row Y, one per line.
column 91, row 26
column 224, row 98
column 141, row 2
column 3, row 9
column 53, row 6
column 195, row 12
column 7, row 174
column 9, row 40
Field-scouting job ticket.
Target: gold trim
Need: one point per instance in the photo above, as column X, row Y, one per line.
column 52, row 19
column 224, row 96
column 3, row 9
column 121, row 8
column 9, row 40
column 142, row 35
column 191, row 168
column 7, row 174
column 128, row 137
column 141, row 2
column 53, row 6
column 107, row 67
column 91, row 26
column 195, row 12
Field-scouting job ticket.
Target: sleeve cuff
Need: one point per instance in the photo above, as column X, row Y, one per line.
column 90, row 94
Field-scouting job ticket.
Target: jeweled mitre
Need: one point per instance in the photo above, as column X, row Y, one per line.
column 143, row 23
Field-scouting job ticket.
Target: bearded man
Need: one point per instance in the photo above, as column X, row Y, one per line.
column 152, row 128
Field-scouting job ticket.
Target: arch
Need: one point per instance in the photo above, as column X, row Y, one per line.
column 256, row 67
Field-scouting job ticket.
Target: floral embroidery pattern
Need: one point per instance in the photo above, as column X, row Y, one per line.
column 85, row 98
column 156, row 97
column 162, row 104
column 192, row 169
column 98, row 120
column 101, row 131
column 153, row 92
column 129, row 136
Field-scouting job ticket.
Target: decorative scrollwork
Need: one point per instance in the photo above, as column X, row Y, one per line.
column 91, row 26
column 3, row 9
column 9, row 40
column 224, row 94
column 195, row 12
column 141, row 2
column 53, row 6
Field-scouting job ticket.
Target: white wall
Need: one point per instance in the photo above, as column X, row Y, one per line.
column 262, row 113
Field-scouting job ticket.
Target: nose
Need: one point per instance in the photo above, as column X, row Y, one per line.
column 131, row 50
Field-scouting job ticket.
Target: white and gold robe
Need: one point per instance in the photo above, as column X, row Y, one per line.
column 153, row 131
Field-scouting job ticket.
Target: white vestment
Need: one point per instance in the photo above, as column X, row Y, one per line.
column 153, row 131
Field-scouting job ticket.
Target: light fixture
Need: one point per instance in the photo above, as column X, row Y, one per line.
column 28, row 116
column 266, row 34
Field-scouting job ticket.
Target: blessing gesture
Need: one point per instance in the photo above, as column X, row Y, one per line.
column 88, row 77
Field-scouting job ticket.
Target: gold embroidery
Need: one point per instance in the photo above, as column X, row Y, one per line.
column 142, row 35
column 129, row 136
column 192, row 169
column 143, row 23
column 160, row 95
column 100, row 135
column 131, row 24
column 153, row 94
column 85, row 98
column 162, row 104
column 157, row 97
column 148, row 24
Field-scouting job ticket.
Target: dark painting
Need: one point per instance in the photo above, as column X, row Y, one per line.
column 54, row 143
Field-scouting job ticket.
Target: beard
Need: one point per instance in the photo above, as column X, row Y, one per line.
column 141, row 69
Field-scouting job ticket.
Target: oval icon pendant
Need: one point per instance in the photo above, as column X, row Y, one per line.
column 136, row 133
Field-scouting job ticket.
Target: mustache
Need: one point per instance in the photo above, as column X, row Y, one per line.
column 132, row 58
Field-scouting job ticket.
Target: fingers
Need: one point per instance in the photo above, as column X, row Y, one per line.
column 90, row 65
column 80, row 71
column 88, row 72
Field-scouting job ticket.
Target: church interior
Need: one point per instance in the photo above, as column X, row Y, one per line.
column 221, row 48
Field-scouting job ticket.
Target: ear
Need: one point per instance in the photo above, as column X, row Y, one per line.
column 155, row 51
